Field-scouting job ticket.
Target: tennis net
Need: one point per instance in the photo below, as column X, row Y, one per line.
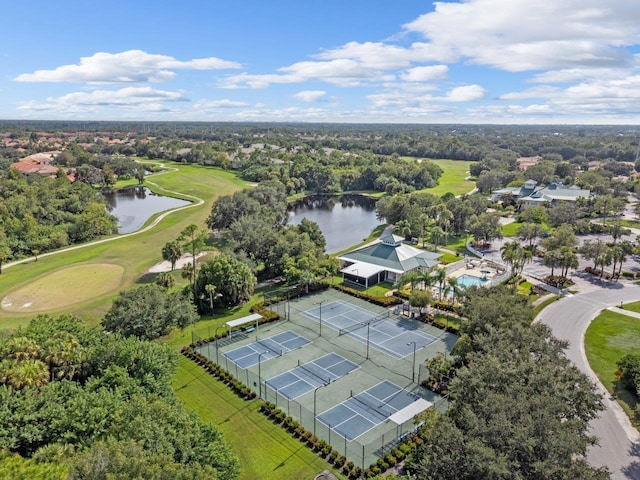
column 273, row 350
column 374, row 408
column 324, row 380
column 358, row 326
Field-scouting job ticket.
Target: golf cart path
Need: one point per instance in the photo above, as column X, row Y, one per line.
column 196, row 203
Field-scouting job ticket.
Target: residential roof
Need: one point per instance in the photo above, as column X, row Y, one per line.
column 393, row 255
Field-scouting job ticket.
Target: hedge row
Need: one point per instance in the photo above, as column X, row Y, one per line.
column 381, row 301
column 220, row 373
column 318, row 445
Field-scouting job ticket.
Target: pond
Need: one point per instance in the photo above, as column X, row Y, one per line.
column 135, row 205
column 344, row 221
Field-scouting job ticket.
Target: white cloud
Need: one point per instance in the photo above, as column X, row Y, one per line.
column 124, row 67
column 517, row 35
column 129, row 97
column 310, row 95
column 225, row 103
column 430, row 73
column 466, row 93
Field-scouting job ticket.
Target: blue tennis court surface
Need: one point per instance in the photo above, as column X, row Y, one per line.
column 360, row 413
column 310, row 375
column 395, row 338
column 266, row 349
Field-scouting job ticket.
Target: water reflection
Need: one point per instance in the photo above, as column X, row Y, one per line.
column 344, row 221
column 133, row 206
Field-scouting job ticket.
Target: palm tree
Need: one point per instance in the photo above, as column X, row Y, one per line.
column 63, row 355
column 511, row 252
column 29, row 373
column 552, row 259
column 20, row 349
column 165, row 280
column 567, row 259
column 440, row 277
column 412, row 277
column 453, row 288
column 210, row 289
column 171, row 252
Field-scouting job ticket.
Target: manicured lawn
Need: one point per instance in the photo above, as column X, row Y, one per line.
column 634, row 307
column 264, row 449
column 610, row 337
column 64, row 287
column 538, row 308
column 448, row 257
column 134, row 254
column 380, row 289
column 453, row 179
column 511, row 230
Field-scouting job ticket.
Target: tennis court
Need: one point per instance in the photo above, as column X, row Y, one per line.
column 266, row 349
column 394, row 338
column 311, row 375
column 362, row 412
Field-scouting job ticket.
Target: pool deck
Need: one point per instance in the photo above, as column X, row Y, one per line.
column 476, row 268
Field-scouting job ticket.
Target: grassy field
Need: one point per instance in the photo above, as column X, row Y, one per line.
column 264, row 449
column 453, row 179
column 610, row 337
column 134, row 254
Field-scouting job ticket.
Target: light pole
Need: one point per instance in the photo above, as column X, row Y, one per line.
column 320, row 313
column 259, row 374
column 221, row 326
column 413, row 373
column 314, row 405
column 368, row 328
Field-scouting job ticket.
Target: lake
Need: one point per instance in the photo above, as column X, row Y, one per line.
column 344, row 221
column 135, row 205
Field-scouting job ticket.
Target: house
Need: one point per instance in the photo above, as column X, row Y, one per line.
column 38, row 164
column 532, row 194
column 385, row 260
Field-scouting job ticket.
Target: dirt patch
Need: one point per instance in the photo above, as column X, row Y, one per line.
column 65, row 287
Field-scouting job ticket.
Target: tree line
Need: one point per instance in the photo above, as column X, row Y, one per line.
column 42, row 214
column 76, row 403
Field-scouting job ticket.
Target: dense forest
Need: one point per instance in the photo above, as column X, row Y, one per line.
column 88, row 405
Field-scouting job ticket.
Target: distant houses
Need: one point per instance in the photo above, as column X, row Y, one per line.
column 532, row 194
column 386, row 260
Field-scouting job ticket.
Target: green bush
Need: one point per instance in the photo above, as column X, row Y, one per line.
column 382, row 301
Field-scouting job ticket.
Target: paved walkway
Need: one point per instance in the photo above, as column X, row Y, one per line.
column 628, row 313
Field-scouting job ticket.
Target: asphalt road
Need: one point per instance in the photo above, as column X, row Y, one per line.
column 568, row 318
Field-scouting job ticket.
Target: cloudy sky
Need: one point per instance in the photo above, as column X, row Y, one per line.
column 473, row 61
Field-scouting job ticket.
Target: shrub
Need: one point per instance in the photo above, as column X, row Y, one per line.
column 356, row 472
column 339, row 460
column 382, row 301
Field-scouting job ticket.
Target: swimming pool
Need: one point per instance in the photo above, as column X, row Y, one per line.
column 470, row 280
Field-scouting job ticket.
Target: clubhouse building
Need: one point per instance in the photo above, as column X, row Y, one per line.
column 386, row 260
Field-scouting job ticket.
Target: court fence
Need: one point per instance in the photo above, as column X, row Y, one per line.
column 247, row 383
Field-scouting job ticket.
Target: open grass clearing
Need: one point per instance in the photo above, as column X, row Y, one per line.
column 610, row 337
column 265, row 450
column 454, row 178
column 65, row 287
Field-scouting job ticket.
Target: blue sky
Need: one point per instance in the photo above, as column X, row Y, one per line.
column 473, row 61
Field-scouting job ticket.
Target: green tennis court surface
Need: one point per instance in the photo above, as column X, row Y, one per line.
column 266, row 349
column 382, row 333
column 308, row 376
column 364, row 411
